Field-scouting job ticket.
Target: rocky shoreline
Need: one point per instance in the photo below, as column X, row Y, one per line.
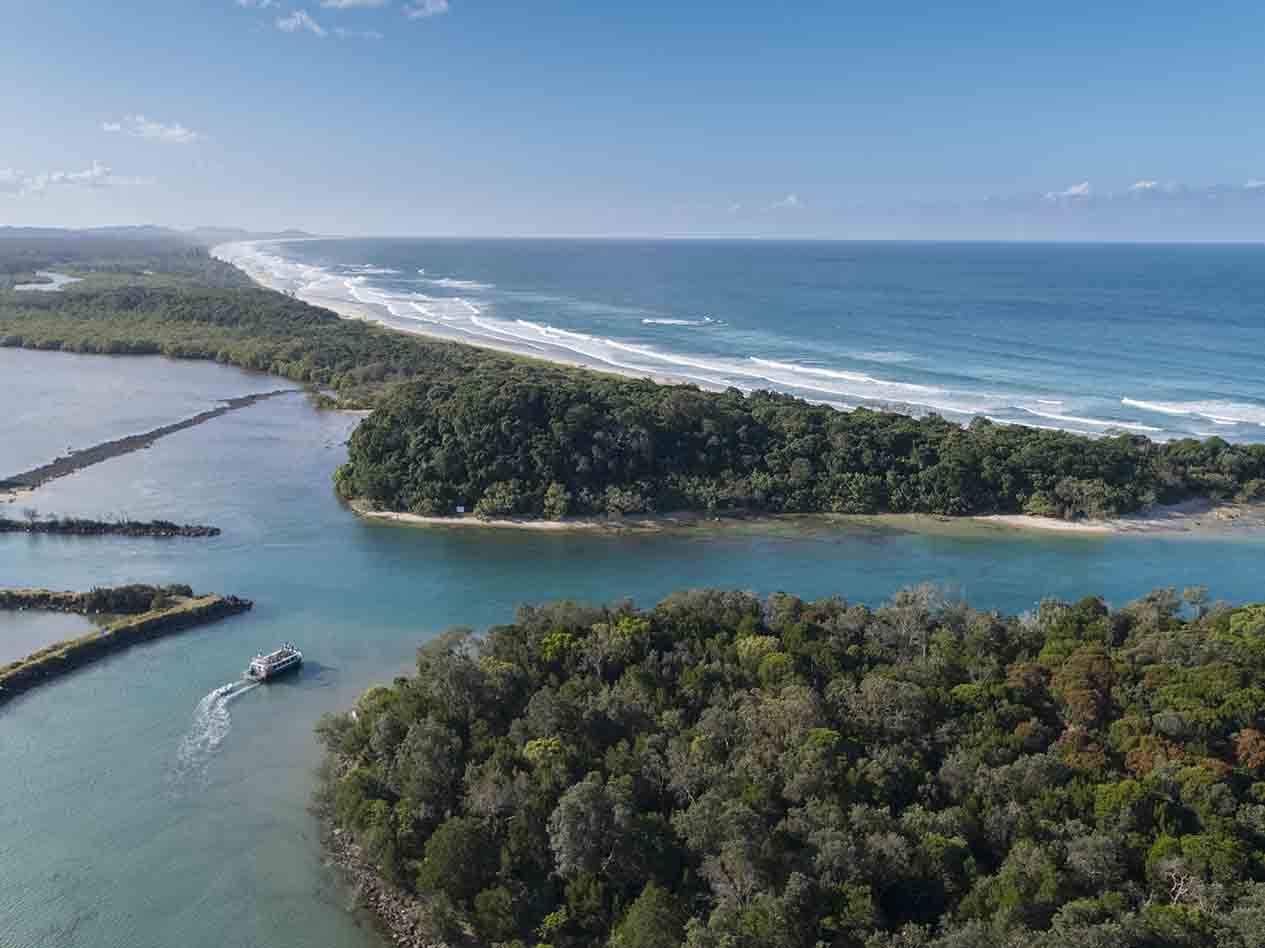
column 395, row 912
column 75, row 526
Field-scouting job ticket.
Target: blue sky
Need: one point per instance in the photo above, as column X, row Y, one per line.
column 681, row 119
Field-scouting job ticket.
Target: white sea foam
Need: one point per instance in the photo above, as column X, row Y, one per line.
column 1097, row 422
column 705, row 321
column 1219, row 412
column 845, row 376
column 888, row 356
column 371, row 270
column 469, row 317
column 450, row 283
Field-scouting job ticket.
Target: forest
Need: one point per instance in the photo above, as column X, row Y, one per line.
column 507, row 443
column 727, row 770
column 458, row 426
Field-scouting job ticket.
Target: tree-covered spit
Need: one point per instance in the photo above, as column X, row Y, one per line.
column 517, row 441
column 726, row 770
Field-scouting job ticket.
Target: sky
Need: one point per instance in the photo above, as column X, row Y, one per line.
column 836, row 119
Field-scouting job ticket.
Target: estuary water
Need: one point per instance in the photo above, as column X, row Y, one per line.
column 139, row 809
column 1159, row 340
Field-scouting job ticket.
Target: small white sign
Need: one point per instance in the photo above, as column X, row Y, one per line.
column 460, row 509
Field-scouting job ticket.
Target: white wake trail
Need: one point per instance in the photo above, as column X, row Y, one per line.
column 211, row 724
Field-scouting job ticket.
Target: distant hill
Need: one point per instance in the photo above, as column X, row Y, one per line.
column 222, row 235
column 198, row 236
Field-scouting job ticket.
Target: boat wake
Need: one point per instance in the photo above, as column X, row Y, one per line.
column 211, row 724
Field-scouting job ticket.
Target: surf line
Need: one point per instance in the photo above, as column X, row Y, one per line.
column 78, row 460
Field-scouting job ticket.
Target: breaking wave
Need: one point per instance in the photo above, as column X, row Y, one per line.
column 705, row 321
column 1218, row 412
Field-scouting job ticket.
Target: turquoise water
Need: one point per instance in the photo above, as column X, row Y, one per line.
column 1161, row 340
column 138, row 811
column 22, row 633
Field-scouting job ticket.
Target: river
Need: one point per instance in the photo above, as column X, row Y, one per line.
column 139, row 810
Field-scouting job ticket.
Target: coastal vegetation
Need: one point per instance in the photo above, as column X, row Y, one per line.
column 458, row 426
column 143, row 613
column 726, row 770
column 504, row 443
column 82, row 527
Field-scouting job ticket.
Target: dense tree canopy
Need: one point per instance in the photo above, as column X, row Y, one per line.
column 516, row 442
column 728, row 771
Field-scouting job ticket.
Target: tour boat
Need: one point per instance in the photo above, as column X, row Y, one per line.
column 284, row 659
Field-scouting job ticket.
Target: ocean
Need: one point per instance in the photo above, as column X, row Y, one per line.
column 1160, row 340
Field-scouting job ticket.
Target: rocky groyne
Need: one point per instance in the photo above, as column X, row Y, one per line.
column 79, row 527
column 168, row 613
column 78, row 460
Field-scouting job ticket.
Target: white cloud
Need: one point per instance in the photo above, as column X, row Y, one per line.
column 14, row 182
column 420, row 9
column 357, row 34
column 138, row 126
column 1254, row 184
column 297, row 22
column 791, row 200
column 1075, row 191
column 257, row 4
column 349, row 4
column 1144, row 185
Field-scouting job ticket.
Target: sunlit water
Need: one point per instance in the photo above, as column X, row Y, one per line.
column 142, row 808
column 1161, row 340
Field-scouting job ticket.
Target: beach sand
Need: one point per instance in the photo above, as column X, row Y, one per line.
column 1189, row 517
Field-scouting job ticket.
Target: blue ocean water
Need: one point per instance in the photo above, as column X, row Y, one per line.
column 1160, row 340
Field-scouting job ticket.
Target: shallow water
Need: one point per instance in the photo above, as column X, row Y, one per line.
column 52, row 282
column 53, row 402
column 140, row 810
column 22, row 633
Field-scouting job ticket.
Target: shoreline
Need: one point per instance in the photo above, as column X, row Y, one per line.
column 1192, row 516
column 365, row 312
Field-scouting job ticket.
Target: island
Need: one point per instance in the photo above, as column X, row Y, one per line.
column 136, row 613
column 730, row 770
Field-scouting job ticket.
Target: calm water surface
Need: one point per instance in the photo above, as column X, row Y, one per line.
column 135, row 812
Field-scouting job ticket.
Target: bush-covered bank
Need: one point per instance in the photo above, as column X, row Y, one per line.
column 516, row 443
column 168, row 609
column 167, row 298
column 81, row 527
column 723, row 770
column 101, row 600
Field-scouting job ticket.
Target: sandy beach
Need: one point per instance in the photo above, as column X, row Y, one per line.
column 1189, row 517
column 238, row 256
column 1186, row 517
